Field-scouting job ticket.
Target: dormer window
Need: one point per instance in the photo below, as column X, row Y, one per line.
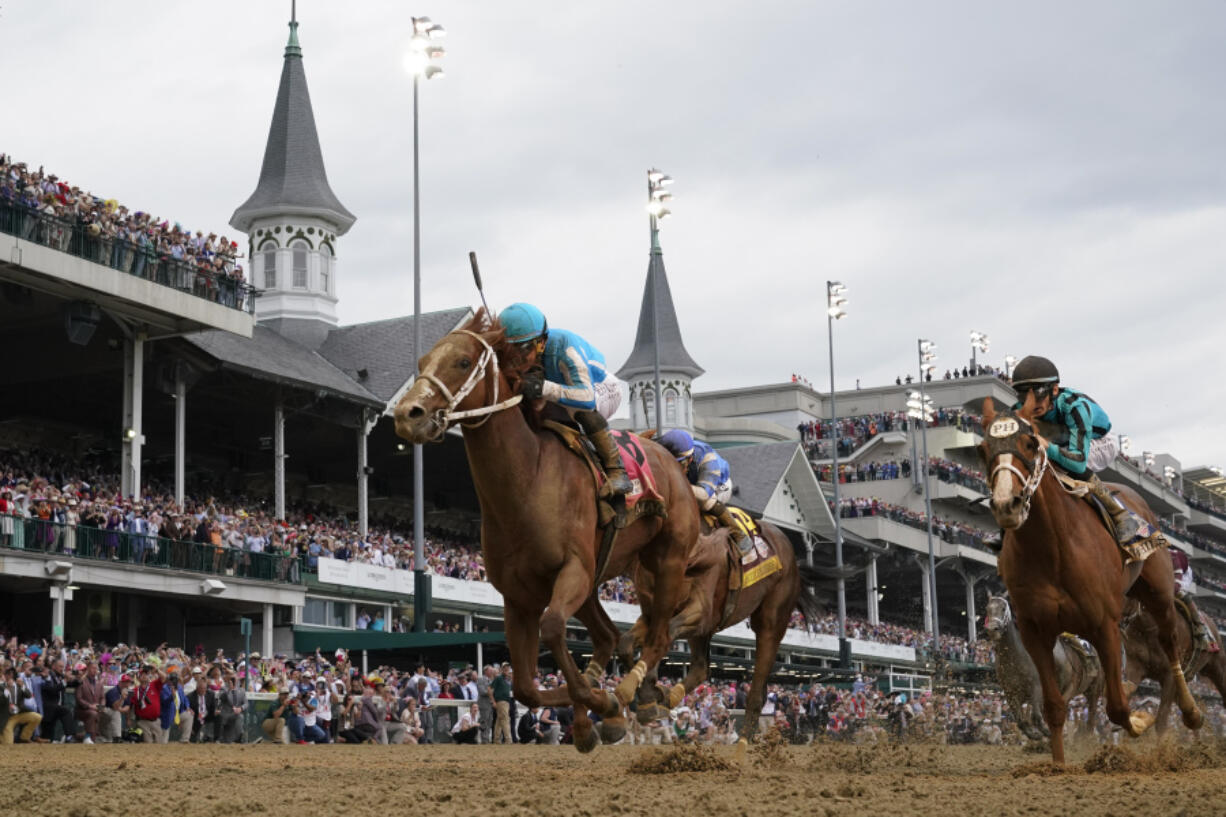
column 325, row 269
column 270, row 268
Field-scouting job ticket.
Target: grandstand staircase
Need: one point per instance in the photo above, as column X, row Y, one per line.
column 879, row 441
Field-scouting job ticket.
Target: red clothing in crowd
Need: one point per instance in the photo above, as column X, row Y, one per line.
column 149, row 701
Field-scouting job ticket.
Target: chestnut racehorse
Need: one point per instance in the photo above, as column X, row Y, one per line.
column 539, row 529
column 768, row 604
column 1065, row 573
column 1144, row 658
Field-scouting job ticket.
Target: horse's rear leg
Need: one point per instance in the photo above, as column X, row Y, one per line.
column 670, row 575
column 1055, row 710
column 769, row 623
column 700, row 650
column 1159, row 600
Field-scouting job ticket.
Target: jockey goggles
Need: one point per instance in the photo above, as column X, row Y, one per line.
column 1041, row 390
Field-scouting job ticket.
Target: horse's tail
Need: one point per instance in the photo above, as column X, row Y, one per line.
column 807, row 602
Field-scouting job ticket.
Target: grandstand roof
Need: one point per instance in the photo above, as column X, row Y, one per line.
column 759, row 471
column 269, row 356
column 292, row 179
column 673, row 356
column 384, row 349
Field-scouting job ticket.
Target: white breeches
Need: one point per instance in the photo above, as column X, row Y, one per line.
column 1102, row 452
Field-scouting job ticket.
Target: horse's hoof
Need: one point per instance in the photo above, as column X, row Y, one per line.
column 675, row 696
column 612, row 730
column 651, row 712
column 613, row 709
column 585, row 738
column 1193, row 719
column 1138, row 722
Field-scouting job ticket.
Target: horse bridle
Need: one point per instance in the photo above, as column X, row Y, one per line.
column 449, row 415
column 1030, row 483
column 1005, row 618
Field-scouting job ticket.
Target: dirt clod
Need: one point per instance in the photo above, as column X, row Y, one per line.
column 679, row 758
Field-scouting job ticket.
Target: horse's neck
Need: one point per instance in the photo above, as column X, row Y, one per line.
column 1041, row 533
column 1011, row 641
column 503, row 456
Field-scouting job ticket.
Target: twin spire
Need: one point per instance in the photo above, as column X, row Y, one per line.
column 292, row 179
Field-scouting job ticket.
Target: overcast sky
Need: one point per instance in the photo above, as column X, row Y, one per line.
column 1051, row 174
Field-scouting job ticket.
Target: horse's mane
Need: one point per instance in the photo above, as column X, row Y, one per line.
column 485, row 324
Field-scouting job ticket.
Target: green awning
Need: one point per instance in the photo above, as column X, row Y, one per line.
column 308, row 639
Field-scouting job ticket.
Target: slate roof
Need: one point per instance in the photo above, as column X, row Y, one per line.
column 385, row 348
column 292, row 178
column 756, row 471
column 267, row 355
column 673, row 356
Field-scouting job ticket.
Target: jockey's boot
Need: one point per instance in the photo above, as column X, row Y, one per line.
column 720, row 511
column 596, row 428
column 1122, row 519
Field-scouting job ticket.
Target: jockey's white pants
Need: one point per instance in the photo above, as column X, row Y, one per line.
column 722, row 494
column 608, row 396
column 1103, row 452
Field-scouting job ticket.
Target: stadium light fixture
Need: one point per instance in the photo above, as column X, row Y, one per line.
column 835, row 303
column 1217, row 470
column 926, row 351
column 1125, row 443
column 422, row 61
column 979, row 343
column 657, row 210
column 1010, row 362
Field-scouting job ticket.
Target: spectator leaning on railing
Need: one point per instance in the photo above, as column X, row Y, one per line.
column 39, row 207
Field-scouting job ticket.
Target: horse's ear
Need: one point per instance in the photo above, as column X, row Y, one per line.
column 989, row 411
column 1028, row 407
column 482, row 322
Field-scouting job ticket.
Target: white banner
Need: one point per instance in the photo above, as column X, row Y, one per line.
column 459, row 591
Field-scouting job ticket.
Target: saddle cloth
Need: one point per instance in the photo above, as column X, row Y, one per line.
column 1148, row 540
column 760, row 562
column 634, row 460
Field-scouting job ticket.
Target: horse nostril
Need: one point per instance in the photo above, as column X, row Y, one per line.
column 416, row 413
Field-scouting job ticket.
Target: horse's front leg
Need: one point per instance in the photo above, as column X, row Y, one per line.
column 1055, row 711
column 571, row 589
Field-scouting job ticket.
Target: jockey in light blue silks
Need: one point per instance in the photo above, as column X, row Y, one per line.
column 572, row 374
column 1085, row 444
column 710, row 479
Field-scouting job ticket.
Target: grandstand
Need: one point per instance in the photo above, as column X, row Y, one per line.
column 253, row 403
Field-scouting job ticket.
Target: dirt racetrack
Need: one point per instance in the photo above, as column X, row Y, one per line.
column 355, row 781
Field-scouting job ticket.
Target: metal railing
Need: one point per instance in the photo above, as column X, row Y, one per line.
column 143, row 550
column 140, row 260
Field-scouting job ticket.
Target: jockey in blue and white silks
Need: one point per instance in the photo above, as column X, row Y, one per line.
column 1085, row 445
column 569, row 371
column 710, row 479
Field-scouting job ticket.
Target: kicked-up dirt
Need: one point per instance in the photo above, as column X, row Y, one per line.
column 1141, row 778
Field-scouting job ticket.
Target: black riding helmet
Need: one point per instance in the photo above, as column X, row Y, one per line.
column 1035, row 373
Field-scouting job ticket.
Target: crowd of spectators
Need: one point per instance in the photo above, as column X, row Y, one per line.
column 40, row 207
column 873, row 471
column 1208, row 508
column 817, row 436
column 1202, row 542
column 954, row 532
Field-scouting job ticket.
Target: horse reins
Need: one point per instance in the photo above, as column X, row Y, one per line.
column 449, row 414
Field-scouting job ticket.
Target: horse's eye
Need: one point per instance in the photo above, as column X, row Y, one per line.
column 464, row 363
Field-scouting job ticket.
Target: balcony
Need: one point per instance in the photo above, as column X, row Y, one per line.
column 1207, row 523
column 1160, row 498
column 62, row 258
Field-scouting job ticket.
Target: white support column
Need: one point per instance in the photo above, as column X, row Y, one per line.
column 278, row 444
column 363, row 479
column 58, row 593
column 125, row 449
column 922, row 563
column 970, row 610
column 870, row 579
column 266, row 631
column 180, row 436
column 138, row 390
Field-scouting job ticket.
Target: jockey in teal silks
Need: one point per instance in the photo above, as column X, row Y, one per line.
column 571, row 372
column 1085, row 445
column 710, row 479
